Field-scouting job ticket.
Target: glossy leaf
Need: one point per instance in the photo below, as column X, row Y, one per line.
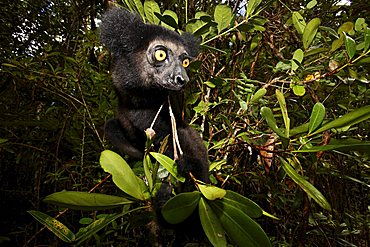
column 284, row 110
column 169, row 164
column 180, row 207
column 317, row 116
column 310, row 32
column 239, row 227
column 267, row 114
column 211, row 192
column 246, row 205
column 54, row 225
column 211, row 225
column 251, row 7
column 305, row 185
column 298, row 22
column 349, row 119
column 298, row 56
column 350, row 46
column 223, row 16
column 151, row 7
column 85, row 201
column 122, row 174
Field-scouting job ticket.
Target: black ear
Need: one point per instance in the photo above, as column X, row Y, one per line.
column 192, row 43
column 121, row 31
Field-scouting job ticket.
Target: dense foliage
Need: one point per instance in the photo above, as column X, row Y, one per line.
column 280, row 94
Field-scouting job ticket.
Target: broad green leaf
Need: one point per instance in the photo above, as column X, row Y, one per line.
column 246, row 205
column 350, row 46
column 346, row 27
column 360, row 24
column 239, row 227
column 122, row 174
column 211, row 192
column 87, row 232
column 180, row 207
column 151, row 7
column 54, row 225
column 168, row 19
column 337, row 43
column 251, row 7
column 298, row 90
column 140, row 8
column 223, row 16
column 85, row 201
column 299, row 129
column 267, row 114
column 298, row 22
column 169, row 164
column 258, row 95
column 284, row 110
column 297, row 57
column 305, row 185
column 310, row 31
column 349, row 119
column 315, row 51
column 311, row 4
column 317, row 116
column 211, row 225
column 367, row 40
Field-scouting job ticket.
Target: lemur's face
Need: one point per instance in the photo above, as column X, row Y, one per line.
column 164, row 65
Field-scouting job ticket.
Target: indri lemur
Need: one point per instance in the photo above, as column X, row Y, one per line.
column 149, row 64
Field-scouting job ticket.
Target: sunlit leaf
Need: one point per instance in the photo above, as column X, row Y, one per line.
column 211, row 225
column 151, row 7
column 310, row 32
column 298, row 90
column 317, row 116
column 180, row 207
column 239, row 227
column 223, row 16
column 350, row 46
column 85, row 201
column 297, row 57
column 251, row 7
column 349, row 119
column 298, row 22
column 169, row 164
column 122, row 174
column 258, row 95
column 311, row 4
column 211, row 192
column 54, row 225
column 305, row 185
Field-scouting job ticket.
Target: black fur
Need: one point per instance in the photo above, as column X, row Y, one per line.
column 142, row 86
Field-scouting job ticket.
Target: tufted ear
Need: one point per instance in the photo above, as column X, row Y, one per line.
column 192, row 43
column 121, row 31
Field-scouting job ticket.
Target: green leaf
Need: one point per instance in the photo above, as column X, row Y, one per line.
column 267, row 114
column 251, row 7
column 85, row 201
column 298, row 22
column 310, row 31
column 297, row 57
column 360, row 24
column 180, row 207
column 284, row 110
column 350, row 46
column 298, row 90
column 54, row 225
column 346, row 27
column 246, row 205
column 211, row 225
column 211, row 192
column 349, row 119
column 223, row 17
column 140, row 9
column 362, row 146
column 311, row 4
column 122, row 175
column 87, row 232
column 299, row 129
column 305, row 185
column 148, row 166
column 367, row 39
column 317, row 116
column 151, row 7
column 258, row 95
column 169, row 164
column 169, row 19
column 239, row 227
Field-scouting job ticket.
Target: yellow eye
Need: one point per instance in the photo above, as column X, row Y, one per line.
column 160, row 55
column 185, row 62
